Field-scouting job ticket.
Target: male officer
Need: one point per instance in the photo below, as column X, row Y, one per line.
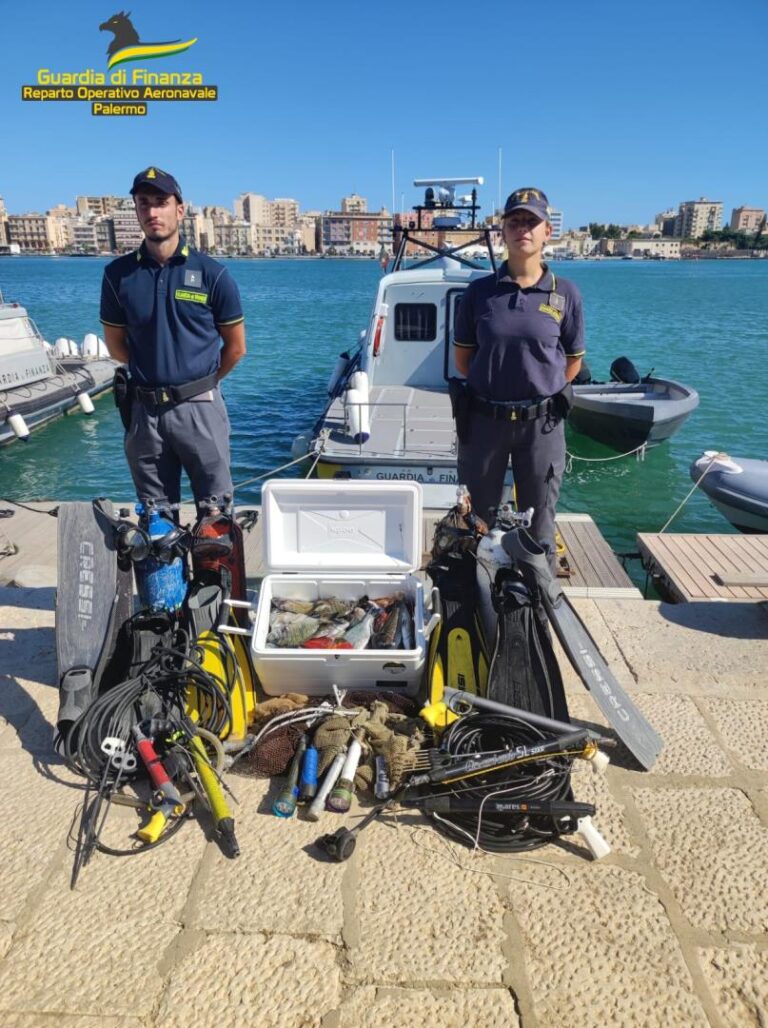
column 519, row 340
column 174, row 317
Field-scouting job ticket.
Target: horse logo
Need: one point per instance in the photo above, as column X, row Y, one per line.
column 127, row 46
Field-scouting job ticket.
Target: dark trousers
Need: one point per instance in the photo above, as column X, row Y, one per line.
column 163, row 439
column 537, row 452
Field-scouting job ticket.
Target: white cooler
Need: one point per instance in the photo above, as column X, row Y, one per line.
column 325, row 539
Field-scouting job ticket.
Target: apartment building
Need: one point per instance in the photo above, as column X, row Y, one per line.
column 32, row 232
column 285, row 212
column 197, row 229
column 3, row 223
column 128, row 234
column 97, row 206
column 235, row 237
column 354, row 204
column 746, row 219
column 253, row 207
column 356, row 233
column 62, row 218
column 695, row 217
column 556, row 220
column 308, row 231
column 219, row 215
column 282, row 212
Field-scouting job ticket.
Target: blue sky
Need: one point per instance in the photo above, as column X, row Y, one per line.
column 618, row 110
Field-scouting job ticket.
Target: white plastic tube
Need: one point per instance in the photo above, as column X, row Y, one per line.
column 317, row 806
column 596, row 844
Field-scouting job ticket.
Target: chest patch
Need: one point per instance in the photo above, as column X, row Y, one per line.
column 546, row 308
column 190, row 296
column 193, row 278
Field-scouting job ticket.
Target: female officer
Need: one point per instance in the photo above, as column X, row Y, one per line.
column 519, row 341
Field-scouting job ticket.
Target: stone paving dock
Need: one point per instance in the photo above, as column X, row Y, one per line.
column 671, row 929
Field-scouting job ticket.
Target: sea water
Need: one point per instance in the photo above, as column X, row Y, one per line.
column 704, row 323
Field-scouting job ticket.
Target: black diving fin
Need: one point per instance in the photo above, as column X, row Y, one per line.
column 640, row 738
column 524, row 672
column 94, row 598
column 458, row 656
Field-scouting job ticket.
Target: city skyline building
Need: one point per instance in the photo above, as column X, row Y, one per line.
column 746, row 219
column 354, row 204
column 695, row 217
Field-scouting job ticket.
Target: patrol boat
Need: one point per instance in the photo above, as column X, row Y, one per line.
column 39, row 381
column 389, row 413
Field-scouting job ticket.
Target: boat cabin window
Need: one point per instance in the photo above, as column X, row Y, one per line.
column 416, row 322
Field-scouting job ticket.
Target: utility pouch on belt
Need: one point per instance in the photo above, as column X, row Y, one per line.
column 460, row 406
column 563, row 401
column 123, row 392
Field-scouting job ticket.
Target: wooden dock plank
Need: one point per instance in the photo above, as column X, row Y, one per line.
column 681, row 580
column 721, row 567
column 607, row 570
column 742, row 568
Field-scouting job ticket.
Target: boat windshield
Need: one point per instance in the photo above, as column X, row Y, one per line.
column 17, row 335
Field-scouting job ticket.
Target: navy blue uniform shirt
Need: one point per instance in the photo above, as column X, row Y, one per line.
column 171, row 313
column 521, row 337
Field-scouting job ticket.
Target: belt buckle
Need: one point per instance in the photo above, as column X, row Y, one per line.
column 164, row 396
column 512, row 416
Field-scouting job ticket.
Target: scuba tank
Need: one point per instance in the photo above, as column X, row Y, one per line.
column 217, row 545
column 160, row 576
column 218, row 556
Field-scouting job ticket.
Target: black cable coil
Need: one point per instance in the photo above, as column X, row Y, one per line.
column 547, row 779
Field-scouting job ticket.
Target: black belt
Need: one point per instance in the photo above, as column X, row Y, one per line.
column 159, row 395
column 512, row 411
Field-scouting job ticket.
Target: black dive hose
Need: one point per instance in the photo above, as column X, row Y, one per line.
column 546, row 781
column 159, row 690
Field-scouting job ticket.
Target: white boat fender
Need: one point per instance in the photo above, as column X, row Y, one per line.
column 300, row 446
column 86, row 403
column 64, row 347
column 341, row 365
column 715, row 461
column 19, row 426
column 357, row 415
column 90, row 346
column 101, row 348
column 359, row 381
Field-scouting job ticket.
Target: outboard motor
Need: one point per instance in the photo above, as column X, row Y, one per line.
column 584, row 376
column 623, row 370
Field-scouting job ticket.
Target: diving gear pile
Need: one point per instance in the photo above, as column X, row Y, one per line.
column 156, row 706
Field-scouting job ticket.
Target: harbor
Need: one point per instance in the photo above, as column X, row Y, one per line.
column 571, row 865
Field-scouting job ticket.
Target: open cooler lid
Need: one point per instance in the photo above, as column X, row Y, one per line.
column 350, row 526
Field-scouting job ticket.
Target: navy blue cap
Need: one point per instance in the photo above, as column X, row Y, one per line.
column 158, row 180
column 528, row 199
